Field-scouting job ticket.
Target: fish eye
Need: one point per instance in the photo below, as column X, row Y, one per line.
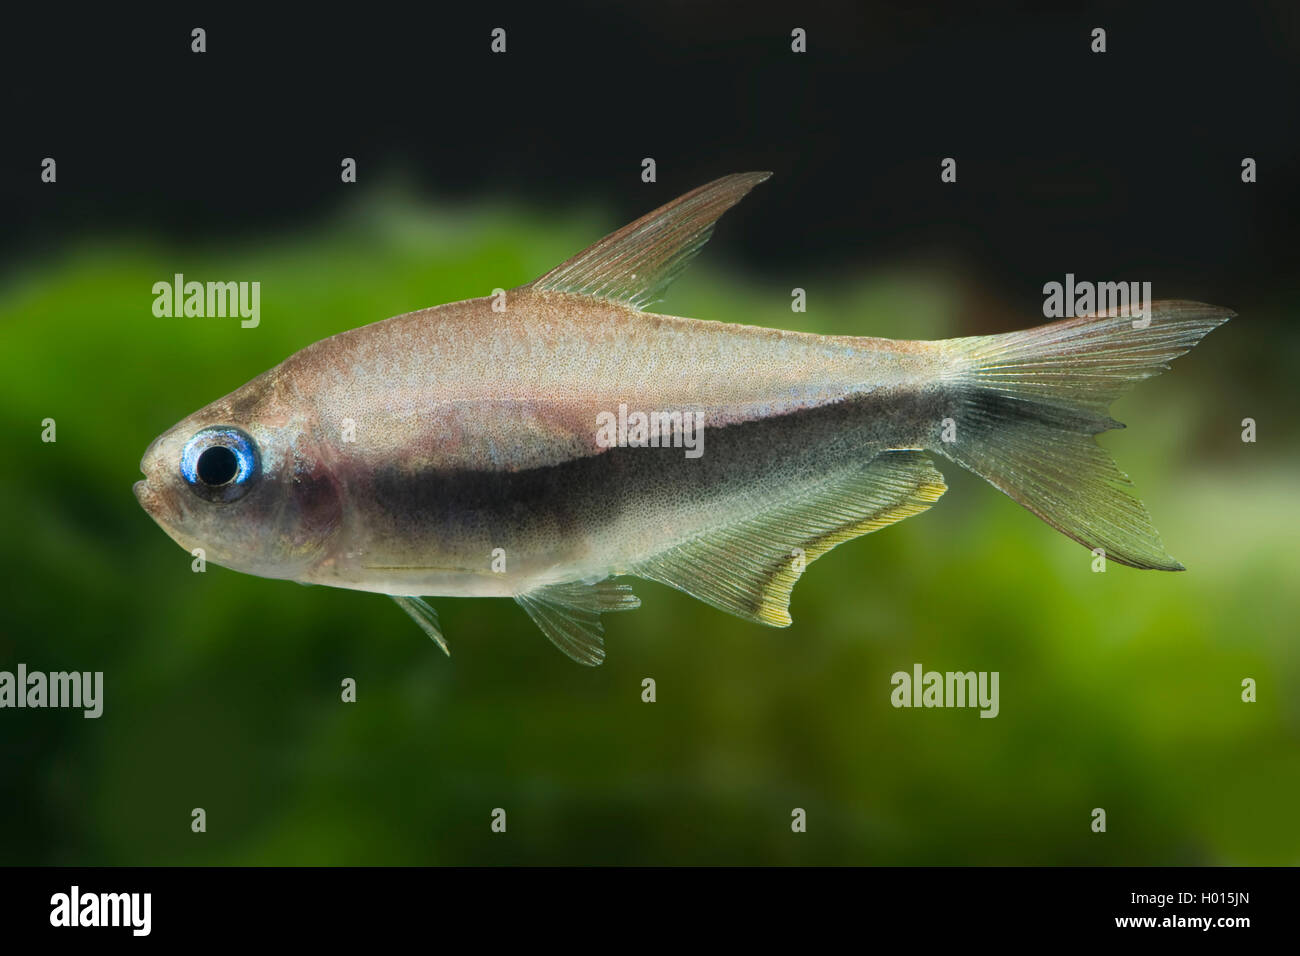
column 220, row 464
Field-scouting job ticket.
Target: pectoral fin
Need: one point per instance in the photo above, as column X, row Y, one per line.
column 569, row 614
column 425, row 616
column 749, row 568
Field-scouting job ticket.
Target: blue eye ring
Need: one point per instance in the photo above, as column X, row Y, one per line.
column 220, row 463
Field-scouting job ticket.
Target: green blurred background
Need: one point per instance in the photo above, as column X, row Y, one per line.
column 1119, row 690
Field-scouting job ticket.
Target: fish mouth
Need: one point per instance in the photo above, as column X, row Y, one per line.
column 164, row 513
column 145, row 495
column 159, row 499
column 153, row 503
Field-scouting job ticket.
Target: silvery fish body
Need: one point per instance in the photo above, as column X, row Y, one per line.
column 540, row 444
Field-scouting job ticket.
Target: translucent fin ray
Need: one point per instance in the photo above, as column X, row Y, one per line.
column 424, row 615
column 637, row 263
column 569, row 615
column 1030, row 402
column 750, row 568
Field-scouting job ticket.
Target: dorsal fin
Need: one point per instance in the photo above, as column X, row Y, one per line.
column 636, row 264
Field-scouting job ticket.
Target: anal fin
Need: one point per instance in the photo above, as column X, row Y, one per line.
column 750, row 567
column 569, row 614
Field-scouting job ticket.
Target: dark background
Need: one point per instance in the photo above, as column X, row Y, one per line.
column 247, row 137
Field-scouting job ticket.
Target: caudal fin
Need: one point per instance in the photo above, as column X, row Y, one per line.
column 1029, row 403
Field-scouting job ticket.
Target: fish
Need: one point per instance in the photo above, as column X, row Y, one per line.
column 547, row 443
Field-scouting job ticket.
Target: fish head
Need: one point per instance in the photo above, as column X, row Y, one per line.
column 245, row 480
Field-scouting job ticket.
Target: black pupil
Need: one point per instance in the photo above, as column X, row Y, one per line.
column 217, row 465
